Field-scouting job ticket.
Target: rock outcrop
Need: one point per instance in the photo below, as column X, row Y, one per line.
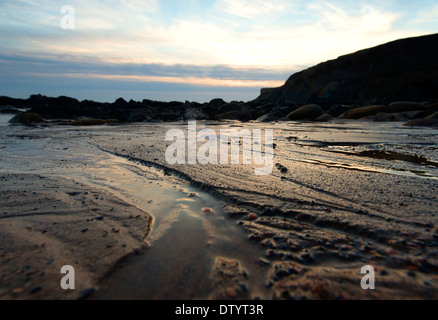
column 402, row 70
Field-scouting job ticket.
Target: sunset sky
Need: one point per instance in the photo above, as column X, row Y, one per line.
column 188, row 49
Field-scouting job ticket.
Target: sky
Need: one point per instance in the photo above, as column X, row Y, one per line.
column 192, row 50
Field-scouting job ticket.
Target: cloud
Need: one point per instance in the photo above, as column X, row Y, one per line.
column 138, row 31
column 370, row 19
column 88, row 67
column 194, row 81
column 250, row 8
column 428, row 15
column 149, row 6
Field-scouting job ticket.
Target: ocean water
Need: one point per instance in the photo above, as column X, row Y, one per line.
column 4, row 119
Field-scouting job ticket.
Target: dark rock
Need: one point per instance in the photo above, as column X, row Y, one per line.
column 36, row 289
column 324, row 118
column 217, row 102
column 383, row 117
column 139, row 115
column 120, row 102
column 269, row 117
column 27, row 119
column 338, row 110
column 433, row 123
column 170, row 116
column 16, row 103
column 244, row 114
column 193, row 113
column 309, row 112
column 231, row 115
column 228, row 107
column 406, row 106
column 431, row 109
column 360, row 113
column 405, row 69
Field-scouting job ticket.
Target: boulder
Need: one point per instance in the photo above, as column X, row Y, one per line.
column 338, row 110
column 432, row 123
column 360, row 113
column 121, row 103
column 269, row 117
column 387, row 117
column 431, row 109
column 218, row 102
column 241, row 113
column 244, row 114
column 27, row 118
column 406, row 106
column 309, row 112
column 228, row 107
column 324, row 118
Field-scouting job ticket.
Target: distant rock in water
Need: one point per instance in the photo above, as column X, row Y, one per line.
column 402, row 70
column 27, row 119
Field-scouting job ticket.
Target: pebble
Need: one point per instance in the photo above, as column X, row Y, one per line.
column 17, row 291
column 36, row 289
column 207, row 211
column 252, row 216
column 231, row 293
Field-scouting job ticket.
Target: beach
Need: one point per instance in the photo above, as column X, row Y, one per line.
column 342, row 195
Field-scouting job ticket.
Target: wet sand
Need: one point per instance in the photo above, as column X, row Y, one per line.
column 353, row 194
column 49, row 222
